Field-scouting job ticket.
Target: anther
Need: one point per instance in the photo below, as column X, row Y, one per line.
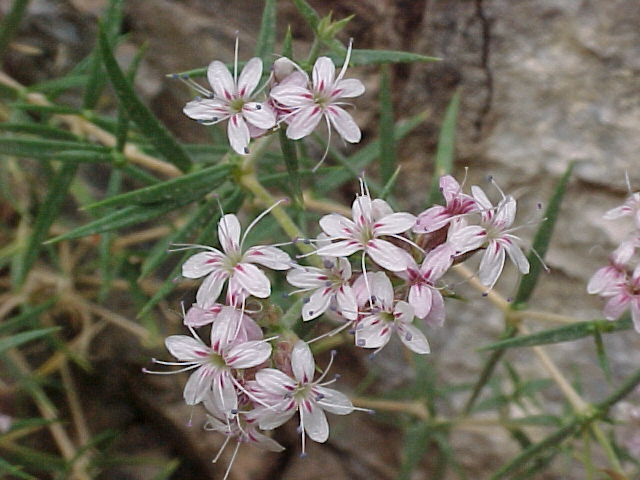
column 328, row 283
column 306, row 300
column 408, row 337
column 303, row 454
column 175, row 76
column 184, row 76
column 258, row 107
column 234, row 411
column 334, row 352
column 246, row 150
column 361, row 343
column 328, row 264
column 484, row 294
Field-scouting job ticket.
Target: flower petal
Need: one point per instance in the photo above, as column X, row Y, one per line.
column 337, row 226
column 221, row 80
column 314, row 420
column 210, row 289
column 224, row 393
column 403, row 313
column 413, row 339
column 386, row 254
column 248, row 354
column 317, row 304
column 210, row 110
column 347, row 305
column 436, row 314
column 292, row 95
column 268, row 419
column 198, row 317
column 372, row 332
column 186, row 348
column 307, row 277
column 274, row 381
column 323, row 75
column 344, row 124
column 304, row 121
column 381, row 290
column 252, row 279
column 334, row 401
column 302, row 362
column 198, row 385
column 349, row 88
column 394, row 223
column 238, row 134
column 420, row 299
column 260, row 115
column 229, row 233
column 491, row 264
column 616, row 306
column 263, row 442
column 516, row 255
column 432, row 219
column 249, row 77
column 270, row 257
column 343, row 248
column 362, row 210
column 202, row 263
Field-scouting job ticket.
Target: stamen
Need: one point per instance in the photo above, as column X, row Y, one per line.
column 186, row 369
column 332, row 332
column 347, row 58
column 235, row 64
column 217, row 457
column 257, row 219
column 233, row 458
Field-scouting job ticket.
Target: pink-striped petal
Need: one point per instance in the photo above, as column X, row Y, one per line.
column 248, row 354
column 307, row 277
column 221, row 80
column 420, row 299
column 270, row 257
column 334, row 401
column 373, row 332
column 435, row 316
column 201, row 264
column 616, row 306
column 324, row 72
column 381, row 289
column 347, row 305
column 413, row 339
column 210, row 289
column 198, row 385
column 186, row 348
column 304, row 121
column 337, row 226
column 349, row 88
column 395, row 223
column 344, row 124
column 343, row 248
column 293, row 96
column 274, row 381
column 238, row 134
column 302, row 362
column 207, row 110
column 229, row 233
column 386, row 254
column 314, row 420
column 260, row 115
column 249, row 77
column 252, row 279
column 491, row 264
column 317, row 304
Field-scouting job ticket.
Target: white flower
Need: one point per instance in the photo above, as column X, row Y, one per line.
column 244, row 277
column 233, row 100
column 372, row 219
column 329, row 284
column 499, row 242
column 214, row 366
column 387, row 315
column 286, row 395
column 321, row 100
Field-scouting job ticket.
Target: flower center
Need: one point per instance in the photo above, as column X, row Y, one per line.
column 216, row 360
column 236, row 105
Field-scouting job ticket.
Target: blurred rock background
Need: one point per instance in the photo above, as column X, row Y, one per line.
column 544, row 82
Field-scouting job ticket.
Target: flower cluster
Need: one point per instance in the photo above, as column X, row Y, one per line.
column 619, row 281
column 290, row 97
column 374, row 275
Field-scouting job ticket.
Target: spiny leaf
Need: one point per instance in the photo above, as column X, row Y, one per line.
column 174, row 190
column 443, row 164
column 287, row 44
column 563, row 334
column 47, row 213
column 19, row 338
column 386, row 128
column 377, row 57
column 541, row 240
column 267, row 37
column 148, row 124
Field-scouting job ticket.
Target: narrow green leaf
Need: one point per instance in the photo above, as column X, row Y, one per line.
column 47, row 213
column 308, row 13
column 377, row 57
column 266, row 42
column 140, row 175
column 125, row 217
column 82, row 156
column 359, row 161
column 6, row 467
column 601, row 353
column 291, row 161
column 26, row 317
column 159, row 252
column 148, row 124
column 287, row 44
column 51, row 109
column 174, row 190
column 207, row 236
column 18, row 339
column 40, row 148
column 388, row 187
column 386, row 128
column 541, row 241
column 37, row 129
column 543, row 420
column 9, row 25
column 105, row 258
column 58, row 85
column 415, row 442
column 564, row 334
column 445, row 151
